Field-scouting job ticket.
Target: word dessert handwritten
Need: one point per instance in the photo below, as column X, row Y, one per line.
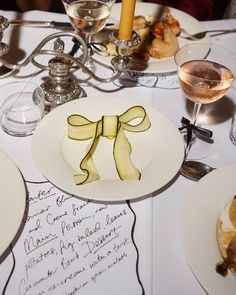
column 72, row 246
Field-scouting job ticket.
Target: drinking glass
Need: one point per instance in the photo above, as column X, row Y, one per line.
column 205, row 73
column 88, row 17
column 21, row 107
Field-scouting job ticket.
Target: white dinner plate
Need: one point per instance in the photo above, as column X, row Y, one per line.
column 198, row 224
column 157, row 152
column 150, row 10
column 12, row 201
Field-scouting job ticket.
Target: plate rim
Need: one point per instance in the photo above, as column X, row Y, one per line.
column 219, row 283
column 80, row 191
column 149, row 70
column 16, row 190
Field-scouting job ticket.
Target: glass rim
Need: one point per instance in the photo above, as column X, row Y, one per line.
column 208, row 47
column 20, row 82
column 107, row 4
column 23, row 89
column 206, row 79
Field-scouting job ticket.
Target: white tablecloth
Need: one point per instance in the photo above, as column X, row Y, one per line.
column 170, row 272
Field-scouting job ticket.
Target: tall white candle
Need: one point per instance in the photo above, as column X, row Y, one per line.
column 126, row 19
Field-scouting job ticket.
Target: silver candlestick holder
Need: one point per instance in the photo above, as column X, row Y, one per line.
column 59, row 87
column 124, row 48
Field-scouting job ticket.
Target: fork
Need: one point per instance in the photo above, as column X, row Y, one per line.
column 200, row 35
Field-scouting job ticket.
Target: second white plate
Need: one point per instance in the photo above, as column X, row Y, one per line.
column 12, row 201
column 199, row 217
column 150, row 10
column 157, row 152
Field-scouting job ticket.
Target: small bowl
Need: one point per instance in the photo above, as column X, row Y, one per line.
column 21, row 107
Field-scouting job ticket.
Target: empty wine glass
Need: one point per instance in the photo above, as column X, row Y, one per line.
column 205, row 74
column 88, row 17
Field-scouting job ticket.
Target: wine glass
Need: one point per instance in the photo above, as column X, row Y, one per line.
column 205, row 73
column 88, row 17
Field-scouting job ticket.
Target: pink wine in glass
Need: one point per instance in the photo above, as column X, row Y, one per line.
column 204, row 81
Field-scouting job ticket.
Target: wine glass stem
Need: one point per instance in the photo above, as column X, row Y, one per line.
column 196, row 110
column 88, row 38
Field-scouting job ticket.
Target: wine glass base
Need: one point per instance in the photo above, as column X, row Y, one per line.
column 84, row 77
column 199, row 149
column 90, row 65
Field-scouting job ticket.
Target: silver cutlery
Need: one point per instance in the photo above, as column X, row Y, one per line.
column 41, row 24
column 201, row 35
column 68, row 26
column 195, row 170
column 46, row 24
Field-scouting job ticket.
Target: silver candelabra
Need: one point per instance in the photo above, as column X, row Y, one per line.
column 59, row 88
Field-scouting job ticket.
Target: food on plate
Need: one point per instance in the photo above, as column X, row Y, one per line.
column 140, row 23
column 166, row 46
column 167, row 19
column 226, row 238
column 158, row 38
column 112, row 127
column 165, row 43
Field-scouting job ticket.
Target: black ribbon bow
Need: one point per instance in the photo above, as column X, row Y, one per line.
column 93, row 45
column 191, row 128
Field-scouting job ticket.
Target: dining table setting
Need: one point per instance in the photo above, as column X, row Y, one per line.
column 118, row 167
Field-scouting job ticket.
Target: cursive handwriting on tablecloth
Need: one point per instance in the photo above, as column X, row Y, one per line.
column 71, row 246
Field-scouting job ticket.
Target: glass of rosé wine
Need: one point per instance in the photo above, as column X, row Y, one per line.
column 206, row 72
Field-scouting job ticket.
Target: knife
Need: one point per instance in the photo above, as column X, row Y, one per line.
column 46, row 24
column 42, row 24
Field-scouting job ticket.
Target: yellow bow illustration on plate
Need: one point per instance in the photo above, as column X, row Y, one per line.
column 111, row 127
